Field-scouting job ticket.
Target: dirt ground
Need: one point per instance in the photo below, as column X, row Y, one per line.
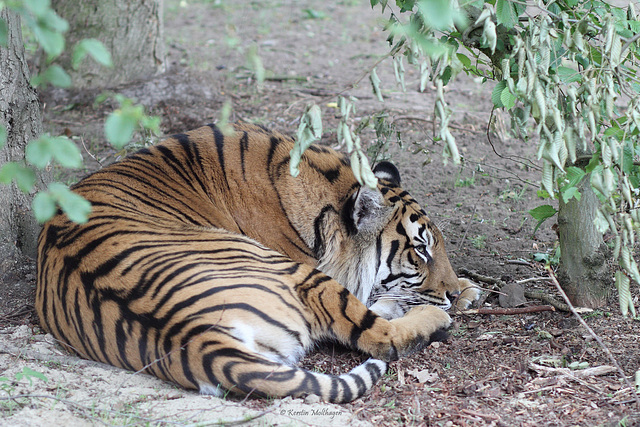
column 494, row 370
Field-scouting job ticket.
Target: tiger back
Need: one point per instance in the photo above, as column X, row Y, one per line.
column 205, row 263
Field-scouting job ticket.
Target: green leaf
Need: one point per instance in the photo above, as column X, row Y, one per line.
column 3, row 136
column 4, row 33
column 570, row 193
column 507, row 98
column 38, row 152
column 541, row 214
column 627, row 158
column 496, row 95
column 568, row 75
column 438, row 14
column 574, row 175
column 51, row 41
column 38, row 7
column 74, row 205
column 53, row 21
column 615, row 132
column 66, row 152
column 446, row 75
column 405, row 5
column 95, row 49
column 375, row 84
column 152, row 123
column 314, row 14
column 44, row 207
column 505, row 13
column 309, row 130
column 119, row 128
column 466, row 62
column 594, row 162
column 24, row 177
column 30, row 373
column 55, row 75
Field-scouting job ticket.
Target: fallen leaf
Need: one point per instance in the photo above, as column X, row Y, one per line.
column 423, row 376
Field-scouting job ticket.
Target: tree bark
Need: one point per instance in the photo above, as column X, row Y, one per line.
column 131, row 30
column 582, row 272
column 20, row 114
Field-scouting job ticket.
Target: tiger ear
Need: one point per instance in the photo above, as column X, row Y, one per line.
column 388, row 172
column 365, row 211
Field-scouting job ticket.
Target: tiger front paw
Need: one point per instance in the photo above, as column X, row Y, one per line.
column 417, row 329
column 469, row 293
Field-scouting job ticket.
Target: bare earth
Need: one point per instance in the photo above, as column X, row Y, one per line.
column 494, row 370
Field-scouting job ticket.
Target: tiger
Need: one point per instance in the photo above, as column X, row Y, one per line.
column 204, row 262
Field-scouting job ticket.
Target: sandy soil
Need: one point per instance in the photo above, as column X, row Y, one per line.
column 495, row 370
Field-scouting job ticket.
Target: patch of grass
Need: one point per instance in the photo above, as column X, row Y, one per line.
column 548, row 258
column 512, row 195
column 8, row 387
column 596, row 314
column 479, row 242
column 391, row 374
column 391, row 404
column 469, row 181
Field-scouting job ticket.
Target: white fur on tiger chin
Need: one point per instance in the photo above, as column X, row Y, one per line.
column 357, row 274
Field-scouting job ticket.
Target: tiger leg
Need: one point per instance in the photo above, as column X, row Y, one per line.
column 227, row 364
column 340, row 312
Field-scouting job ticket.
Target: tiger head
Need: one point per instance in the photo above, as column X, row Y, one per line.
column 391, row 255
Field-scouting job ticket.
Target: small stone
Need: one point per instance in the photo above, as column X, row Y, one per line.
column 311, row 399
column 512, row 295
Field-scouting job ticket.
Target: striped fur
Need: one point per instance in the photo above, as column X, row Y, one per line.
column 206, row 264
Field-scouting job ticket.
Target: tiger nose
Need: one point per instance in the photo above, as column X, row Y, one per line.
column 453, row 295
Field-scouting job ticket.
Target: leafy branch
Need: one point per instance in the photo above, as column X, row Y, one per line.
column 48, row 29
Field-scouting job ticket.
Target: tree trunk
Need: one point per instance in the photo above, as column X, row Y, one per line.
column 20, row 114
column 583, row 254
column 131, row 30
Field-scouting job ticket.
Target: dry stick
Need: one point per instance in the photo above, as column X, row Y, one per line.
column 593, row 334
column 531, row 279
column 475, row 207
column 510, row 311
column 489, row 417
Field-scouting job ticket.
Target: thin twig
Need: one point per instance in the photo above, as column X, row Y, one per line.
column 422, row 119
column 90, row 153
column 532, row 279
column 593, row 334
column 510, row 311
column 475, row 207
column 525, row 162
column 519, row 261
column 482, row 278
column 629, row 43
